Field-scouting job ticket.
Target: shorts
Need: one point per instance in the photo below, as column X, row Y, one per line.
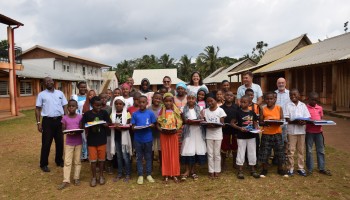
column 97, row 153
column 229, row 142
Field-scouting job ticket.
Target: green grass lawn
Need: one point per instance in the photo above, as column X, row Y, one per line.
column 21, row 177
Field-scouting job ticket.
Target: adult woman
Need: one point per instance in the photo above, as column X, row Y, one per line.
column 196, row 83
column 167, row 84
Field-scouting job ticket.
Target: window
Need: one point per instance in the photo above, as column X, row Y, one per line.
column 25, row 88
column 64, row 68
column 4, row 88
column 67, row 68
column 84, row 70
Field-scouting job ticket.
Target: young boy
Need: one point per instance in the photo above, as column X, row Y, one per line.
column 96, row 138
column 135, row 107
column 296, row 110
column 229, row 141
column 143, row 139
column 109, row 96
column 104, row 100
column 272, row 134
column 314, row 135
column 246, row 120
column 73, row 145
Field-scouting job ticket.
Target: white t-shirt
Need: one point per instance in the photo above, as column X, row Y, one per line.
column 129, row 102
column 195, row 89
column 214, row 116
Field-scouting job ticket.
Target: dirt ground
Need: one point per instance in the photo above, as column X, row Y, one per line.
column 338, row 136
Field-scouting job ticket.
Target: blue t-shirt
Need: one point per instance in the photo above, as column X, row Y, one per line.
column 143, row 118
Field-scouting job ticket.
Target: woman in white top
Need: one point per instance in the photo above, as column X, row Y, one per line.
column 196, row 83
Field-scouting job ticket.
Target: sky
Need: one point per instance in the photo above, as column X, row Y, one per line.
column 110, row 31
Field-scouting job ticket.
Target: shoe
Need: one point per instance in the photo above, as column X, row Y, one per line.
column 102, row 180
column 76, row 182
column 240, row 175
column 309, row 173
column 216, row 174
column 93, row 182
column 140, row 180
column 281, row 172
column 150, row 179
column 326, row 172
column 211, row 175
column 194, row 176
column 45, row 169
column 63, row 185
column 60, row 164
column 263, row 173
column 301, row 172
column 254, row 174
column 290, row 173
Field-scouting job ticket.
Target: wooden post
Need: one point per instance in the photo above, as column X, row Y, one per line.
column 313, row 79
column 304, row 83
column 324, row 84
column 288, row 77
column 334, row 87
column 12, row 80
column 263, row 83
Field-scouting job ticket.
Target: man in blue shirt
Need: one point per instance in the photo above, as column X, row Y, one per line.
column 143, row 139
column 51, row 105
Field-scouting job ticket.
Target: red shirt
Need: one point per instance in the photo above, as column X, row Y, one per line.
column 132, row 109
column 316, row 114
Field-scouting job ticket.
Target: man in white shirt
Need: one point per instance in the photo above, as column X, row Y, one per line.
column 282, row 93
column 247, row 78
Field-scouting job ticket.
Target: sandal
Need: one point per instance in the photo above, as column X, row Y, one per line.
column 183, row 177
column 326, row 172
column 63, row 185
column 166, row 180
column 175, row 179
column 194, row 176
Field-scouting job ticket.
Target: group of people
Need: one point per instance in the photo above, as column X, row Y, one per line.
column 188, row 125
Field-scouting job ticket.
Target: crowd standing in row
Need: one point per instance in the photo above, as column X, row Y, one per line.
column 171, row 123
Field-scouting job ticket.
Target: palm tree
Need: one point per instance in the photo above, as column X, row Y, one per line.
column 208, row 61
column 124, row 70
column 166, row 62
column 185, row 68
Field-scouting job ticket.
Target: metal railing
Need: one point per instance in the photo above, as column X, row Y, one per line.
column 4, row 54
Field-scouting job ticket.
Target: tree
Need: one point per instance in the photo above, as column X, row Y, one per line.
column 227, row 61
column 124, row 70
column 166, row 62
column 185, row 68
column 208, row 61
column 259, row 51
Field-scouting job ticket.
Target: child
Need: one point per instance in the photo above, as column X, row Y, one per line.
column 129, row 101
column 229, row 141
column 314, row 135
column 272, row 134
column 80, row 97
column 296, row 131
column 155, row 108
column 225, row 86
column 214, row 114
column 143, row 139
column 109, row 157
column 245, row 119
column 145, row 89
column 256, row 109
column 135, row 106
column 163, row 90
column 169, row 122
column 193, row 147
column 109, row 96
column 73, row 145
column 86, row 107
column 219, row 96
column 120, row 138
column 180, row 99
column 96, row 138
column 116, row 93
column 202, row 92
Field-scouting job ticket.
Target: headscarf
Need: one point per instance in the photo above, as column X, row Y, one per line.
column 162, row 120
column 127, row 85
column 126, row 140
column 148, row 86
column 181, row 84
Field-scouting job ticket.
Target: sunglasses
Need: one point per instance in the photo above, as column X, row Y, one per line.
column 166, row 81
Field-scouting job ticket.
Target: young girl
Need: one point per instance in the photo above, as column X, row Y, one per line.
column 201, row 97
column 220, row 97
column 73, row 145
column 116, row 93
column 145, row 89
column 129, row 101
column 214, row 114
column 86, row 107
column 155, row 108
column 120, row 138
column 169, row 122
column 81, row 96
column 193, row 147
column 245, row 120
column 180, row 99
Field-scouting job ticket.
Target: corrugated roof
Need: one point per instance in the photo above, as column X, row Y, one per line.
column 212, row 75
column 282, row 50
column 64, row 54
column 39, row 71
column 155, row 76
column 223, row 75
column 329, row 50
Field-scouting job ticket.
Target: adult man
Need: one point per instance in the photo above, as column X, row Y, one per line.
column 167, row 84
column 133, row 90
column 247, row 78
column 51, row 105
column 282, row 92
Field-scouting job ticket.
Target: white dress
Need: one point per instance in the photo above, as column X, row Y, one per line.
column 193, row 144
